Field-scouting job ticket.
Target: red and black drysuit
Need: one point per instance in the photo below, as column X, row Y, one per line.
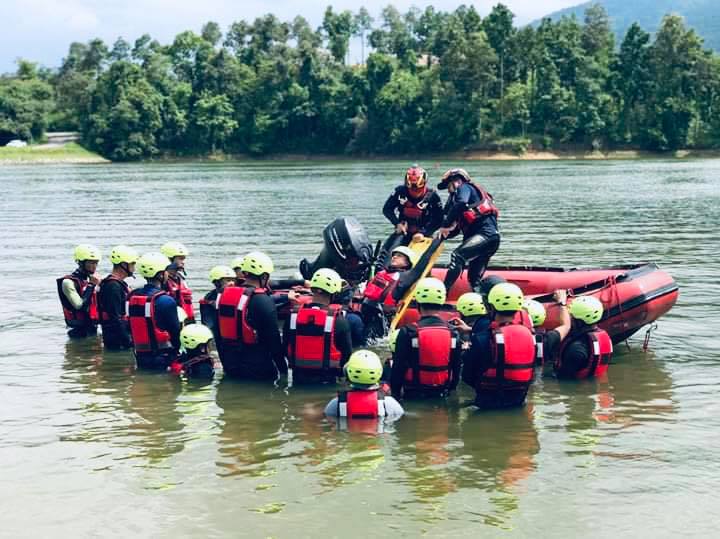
column 423, row 215
column 472, row 210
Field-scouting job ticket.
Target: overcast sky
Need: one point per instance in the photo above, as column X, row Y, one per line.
column 41, row 30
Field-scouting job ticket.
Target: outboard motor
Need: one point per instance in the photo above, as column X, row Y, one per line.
column 346, row 249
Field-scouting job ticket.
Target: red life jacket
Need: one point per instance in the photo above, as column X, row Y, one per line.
column 413, row 209
column 232, row 310
column 311, row 340
column 522, row 318
column 73, row 317
column 481, row 209
column 430, row 364
column 380, row 287
column 361, row 404
column 513, row 355
column 601, row 349
column 146, row 335
column 182, row 296
column 104, row 317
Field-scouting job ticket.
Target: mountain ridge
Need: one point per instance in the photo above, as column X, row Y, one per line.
column 701, row 15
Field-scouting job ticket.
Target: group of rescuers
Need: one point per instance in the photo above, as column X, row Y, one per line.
column 493, row 343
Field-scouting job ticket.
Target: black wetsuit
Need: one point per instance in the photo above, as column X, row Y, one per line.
column 261, row 361
column 576, row 354
column 112, row 299
column 481, row 239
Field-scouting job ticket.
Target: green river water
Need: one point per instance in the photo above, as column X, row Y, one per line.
column 91, row 447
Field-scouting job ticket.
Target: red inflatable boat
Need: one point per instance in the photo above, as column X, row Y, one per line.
column 633, row 296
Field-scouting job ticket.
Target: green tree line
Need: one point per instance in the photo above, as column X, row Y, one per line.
column 429, row 81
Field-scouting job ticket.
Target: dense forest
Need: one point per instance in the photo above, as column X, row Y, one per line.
column 429, row 81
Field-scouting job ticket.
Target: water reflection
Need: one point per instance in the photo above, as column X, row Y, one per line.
column 251, row 422
column 135, row 412
column 427, row 446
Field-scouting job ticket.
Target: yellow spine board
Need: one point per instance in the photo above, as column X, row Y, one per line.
column 419, row 247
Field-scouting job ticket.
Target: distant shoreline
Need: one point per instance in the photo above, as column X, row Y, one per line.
column 73, row 153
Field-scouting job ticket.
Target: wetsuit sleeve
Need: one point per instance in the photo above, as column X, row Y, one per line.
column 280, row 299
column 265, row 321
column 79, row 302
column 435, row 212
column 403, row 350
column 167, row 318
column 393, row 408
column 390, row 207
column 331, row 410
column 457, row 204
column 408, row 278
column 286, row 335
column 343, row 339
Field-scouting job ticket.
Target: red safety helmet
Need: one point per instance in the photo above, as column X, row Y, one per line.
column 416, row 179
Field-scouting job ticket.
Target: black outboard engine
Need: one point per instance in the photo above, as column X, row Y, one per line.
column 346, row 249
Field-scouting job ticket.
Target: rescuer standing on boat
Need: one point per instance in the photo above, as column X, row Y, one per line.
column 412, row 208
column 470, row 209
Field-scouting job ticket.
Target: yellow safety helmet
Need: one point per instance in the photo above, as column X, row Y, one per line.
column 536, row 310
column 237, row 262
column 123, row 253
column 364, row 367
column 430, row 291
column 150, row 264
column 589, row 309
column 409, row 253
column 257, row 263
column 471, row 304
column 327, row 280
column 506, row 297
column 221, row 272
column 85, row 251
column 194, row 335
column 174, row 248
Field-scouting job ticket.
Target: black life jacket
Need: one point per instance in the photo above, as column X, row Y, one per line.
column 104, row 317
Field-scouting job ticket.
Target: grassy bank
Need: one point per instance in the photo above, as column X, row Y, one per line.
column 44, row 153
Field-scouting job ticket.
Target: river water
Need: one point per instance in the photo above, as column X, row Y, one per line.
column 89, row 446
